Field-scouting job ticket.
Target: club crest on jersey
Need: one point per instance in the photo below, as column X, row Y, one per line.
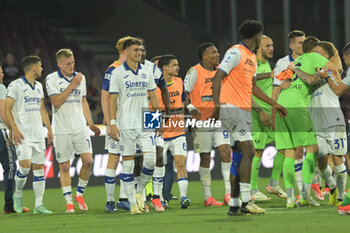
column 143, row 75
column 151, row 120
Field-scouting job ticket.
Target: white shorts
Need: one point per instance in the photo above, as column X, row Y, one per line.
column 332, row 140
column 177, row 146
column 204, row 141
column 129, row 138
column 237, row 121
column 67, row 145
column 35, row 151
column 112, row 146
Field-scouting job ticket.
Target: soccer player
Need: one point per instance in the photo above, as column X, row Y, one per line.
column 26, row 113
column 330, row 128
column 339, row 90
column 297, row 128
column 262, row 132
column 233, row 85
column 174, row 134
column 112, row 146
column 7, row 152
column 295, row 40
column 198, row 88
column 67, row 92
column 129, row 85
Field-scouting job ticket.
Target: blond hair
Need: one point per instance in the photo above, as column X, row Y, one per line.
column 120, row 43
column 64, row 53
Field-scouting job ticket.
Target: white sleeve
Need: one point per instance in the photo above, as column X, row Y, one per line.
column 114, row 83
column 51, row 87
column 42, row 91
column 278, row 69
column 231, row 59
column 12, row 91
column 190, row 80
column 83, row 87
column 2, row 92
column 151, row 83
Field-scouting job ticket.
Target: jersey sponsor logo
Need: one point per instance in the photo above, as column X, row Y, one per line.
column 151, row 120
column 208, row 80
column 207, row 98
column 131, row 85
column 249, row 62
column 296, row 86
column 126, row 76
column 28, row 99
column 25, row 90
column 174, row 93
column 75, row 92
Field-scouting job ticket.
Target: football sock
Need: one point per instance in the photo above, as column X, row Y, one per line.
column 149, row 160
column 67, row 193
column 110, row 183
column 288, row 175
column 276, row 169
column 81, row 187
column 245, row 191
column 341, row 177
column 158, row 180
column 204, row 175
column 183, row 185
column 326, row 174
column 254, row 175
column 122, row 192
column 225, row 171
column 38, row 186
column 298, row 164
column 21, row 178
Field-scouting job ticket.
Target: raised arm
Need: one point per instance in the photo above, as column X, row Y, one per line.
column 58, row 100
column 338, row 89
column 311, row 79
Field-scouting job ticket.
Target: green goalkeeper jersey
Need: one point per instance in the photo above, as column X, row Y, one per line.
column 264, row 84
column 298, row 94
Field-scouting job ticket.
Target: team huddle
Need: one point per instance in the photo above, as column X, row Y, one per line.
column 295, row 106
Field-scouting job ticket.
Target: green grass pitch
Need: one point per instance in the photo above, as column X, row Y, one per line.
column 196, row 218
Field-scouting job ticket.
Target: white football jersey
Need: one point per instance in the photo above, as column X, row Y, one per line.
column 132, row 88
column 157, row 73
column 325, row 108
column 69, row 117
column 26, row 110
column 280, row 66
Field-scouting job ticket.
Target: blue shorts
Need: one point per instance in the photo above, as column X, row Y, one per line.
column 236, row 162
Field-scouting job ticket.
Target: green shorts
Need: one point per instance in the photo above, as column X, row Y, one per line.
column 262, row 135
column 296, row 129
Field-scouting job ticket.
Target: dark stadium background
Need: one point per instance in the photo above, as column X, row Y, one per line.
column 91, row 29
